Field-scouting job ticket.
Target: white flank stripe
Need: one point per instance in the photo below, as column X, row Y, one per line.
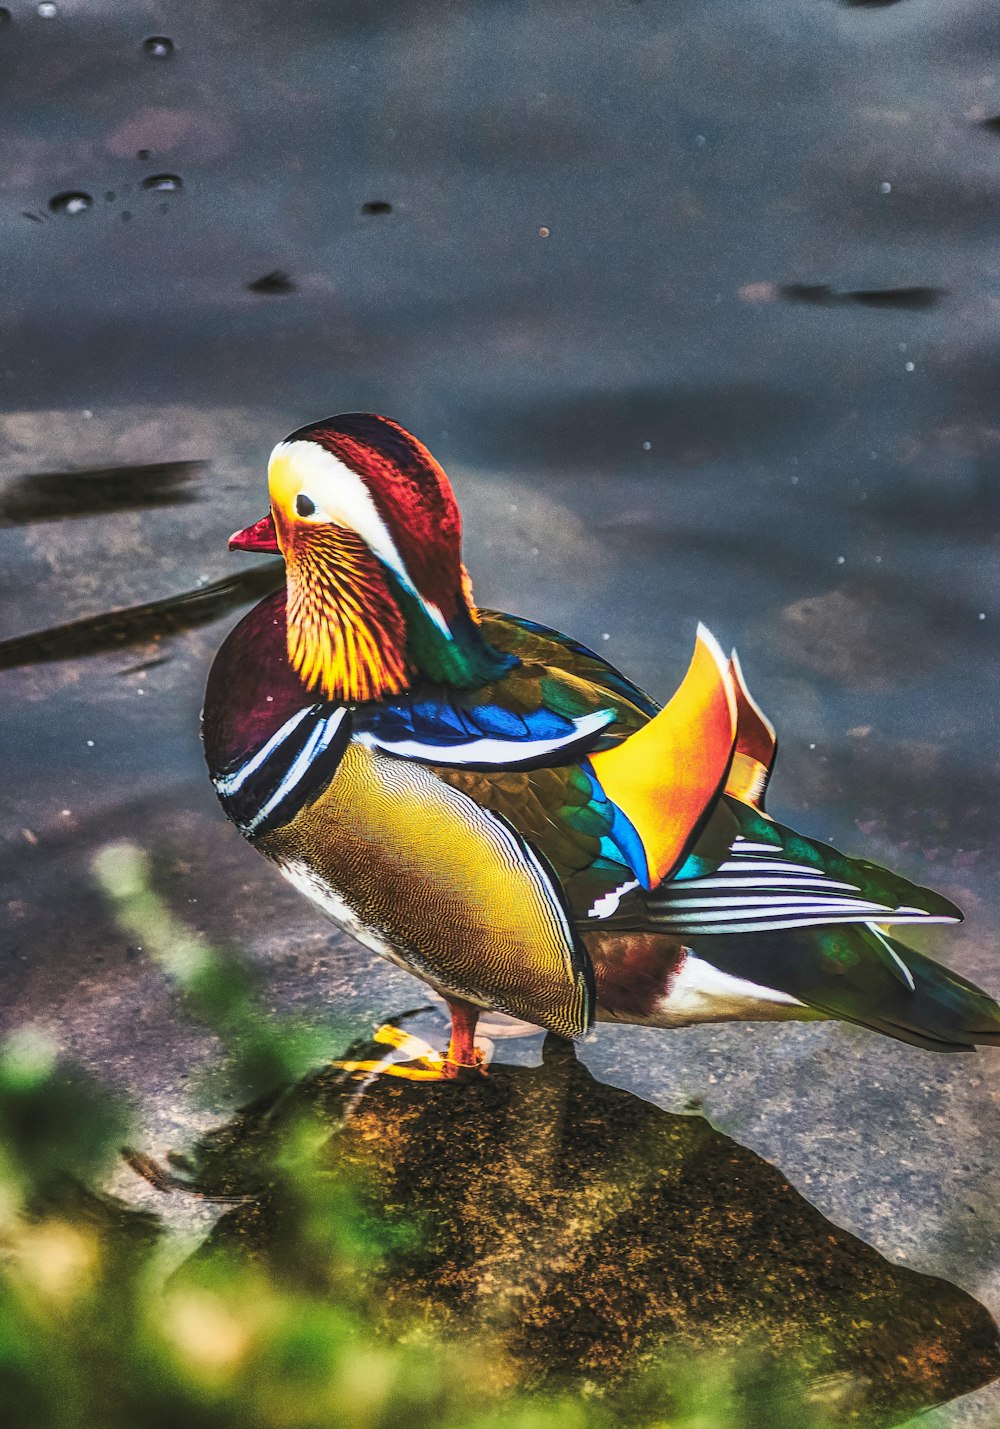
column 233, row 782
column 789, row 881
column 895, row 957
column 768, row 923
column 488, row 750
column 768, row 865
column 604, row 907
column 776, row 901
column 711, row 913
column 742, row 846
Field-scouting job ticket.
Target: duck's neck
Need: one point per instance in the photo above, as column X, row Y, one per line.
column 459, row 655
column 355, row 634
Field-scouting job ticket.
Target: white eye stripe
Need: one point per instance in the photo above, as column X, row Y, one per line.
column 340, row 495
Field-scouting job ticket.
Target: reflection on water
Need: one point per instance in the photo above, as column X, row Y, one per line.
column 118, row 629
column 586, row 1232
column 96, row 491
column 913, row 298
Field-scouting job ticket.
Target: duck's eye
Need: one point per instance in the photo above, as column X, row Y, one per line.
column 304, row 504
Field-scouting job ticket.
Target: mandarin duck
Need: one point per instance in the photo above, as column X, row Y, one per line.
column 496, row 809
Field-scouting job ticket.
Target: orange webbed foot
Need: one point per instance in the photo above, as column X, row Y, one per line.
column 412, row 1059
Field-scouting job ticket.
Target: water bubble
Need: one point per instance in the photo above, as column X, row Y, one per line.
column 71, row 203
column 910, row 366
column 377, row 205
column 647, row 446
column 158, row 47
column 885, row 187
column 841, row 560
column 47, row 10
column 163, row 183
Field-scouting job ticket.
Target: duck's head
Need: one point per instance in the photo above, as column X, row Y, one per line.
column 371, row 535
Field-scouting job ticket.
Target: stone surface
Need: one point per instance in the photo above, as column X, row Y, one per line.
column 587, row 1234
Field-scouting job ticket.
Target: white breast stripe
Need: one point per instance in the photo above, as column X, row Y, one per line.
column 231, row 783
column 318, row 741
column 486, row 750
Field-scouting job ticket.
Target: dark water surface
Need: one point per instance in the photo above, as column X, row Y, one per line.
column 700, row 307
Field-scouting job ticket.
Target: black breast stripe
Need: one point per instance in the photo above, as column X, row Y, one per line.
column 287, row 772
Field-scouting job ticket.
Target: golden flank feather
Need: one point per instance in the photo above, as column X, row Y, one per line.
column 346, row 635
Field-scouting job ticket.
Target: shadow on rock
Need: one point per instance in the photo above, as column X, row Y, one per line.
column 589, row 1234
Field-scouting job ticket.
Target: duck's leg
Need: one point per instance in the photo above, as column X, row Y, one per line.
column 414, row 1059
column 462, row 1054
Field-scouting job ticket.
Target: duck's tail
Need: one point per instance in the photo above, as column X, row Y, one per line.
column 844, row 973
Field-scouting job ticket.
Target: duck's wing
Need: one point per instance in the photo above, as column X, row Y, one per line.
column 773, row 878
column 609, row 798
column 756, row 743
column 538, row 644
column 592, row 809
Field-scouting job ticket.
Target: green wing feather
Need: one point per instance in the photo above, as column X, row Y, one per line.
column 557, row 811
column 842, row 973
column 539, row 644
column 875, row 883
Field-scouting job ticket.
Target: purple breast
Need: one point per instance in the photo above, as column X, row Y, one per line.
column 252, row 689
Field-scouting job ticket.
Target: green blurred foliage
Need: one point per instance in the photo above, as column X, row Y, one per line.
column 95, row 1334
